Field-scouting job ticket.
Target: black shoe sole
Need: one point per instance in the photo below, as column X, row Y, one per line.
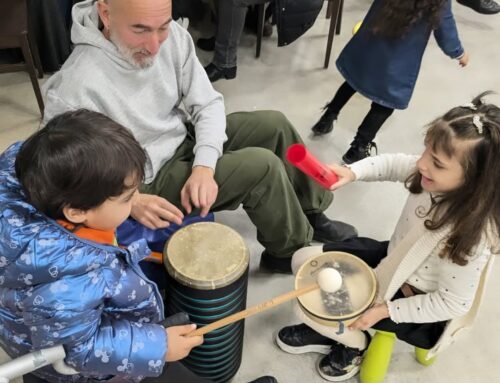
column 321, row 132
column 316, row 348
column 228, row 75
column 347, row 161
column 482, row 11
column 339, row 378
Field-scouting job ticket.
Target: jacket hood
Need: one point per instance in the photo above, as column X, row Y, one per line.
column 21, row 223
column 86, row 31
column 15, row 212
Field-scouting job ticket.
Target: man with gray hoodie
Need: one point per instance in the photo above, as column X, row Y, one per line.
column 137, row 66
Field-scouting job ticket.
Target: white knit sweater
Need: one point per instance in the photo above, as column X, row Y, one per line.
column 452, row 291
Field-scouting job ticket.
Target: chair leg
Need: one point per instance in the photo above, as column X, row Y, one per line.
column 329, row 9
column 339, row 21
column 421, row 355
column 28, row 58
column 260, row 27
column 377, row 357
column 331, row 32
column 36, row 55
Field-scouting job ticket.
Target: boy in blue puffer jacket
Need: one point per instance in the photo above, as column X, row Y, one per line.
column 63, row 281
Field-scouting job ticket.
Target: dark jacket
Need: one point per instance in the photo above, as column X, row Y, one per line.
column 294, row 18
column 385, row 70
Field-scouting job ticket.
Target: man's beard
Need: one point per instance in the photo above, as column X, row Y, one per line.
column 128, row 54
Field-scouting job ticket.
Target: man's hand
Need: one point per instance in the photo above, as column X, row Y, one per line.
column 345, row 175
column 200, row 189
column 370, row 317
column 179, row 345
column 155, row 212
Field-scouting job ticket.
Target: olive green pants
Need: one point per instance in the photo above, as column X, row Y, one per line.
column 253, row 172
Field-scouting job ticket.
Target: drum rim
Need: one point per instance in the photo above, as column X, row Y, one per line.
column 332, row 319
column 354, row 314
column 189, row 281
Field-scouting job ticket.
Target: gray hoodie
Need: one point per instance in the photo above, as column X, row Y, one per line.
column 146, row 101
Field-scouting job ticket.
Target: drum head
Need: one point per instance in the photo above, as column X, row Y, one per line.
column 206, row 256
column 355, row 296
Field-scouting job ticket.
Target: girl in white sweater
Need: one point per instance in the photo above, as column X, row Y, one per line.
column 432, row 272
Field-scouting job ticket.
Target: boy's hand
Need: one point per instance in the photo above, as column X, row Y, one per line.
column 200, row 189
column 464, row 60
column 179, row 345
column 370, row 317
column 345, row 175
column 155, row 212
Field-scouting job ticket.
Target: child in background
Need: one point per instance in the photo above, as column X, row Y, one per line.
column 431, row 273
column 382, row 62
column 63, row 281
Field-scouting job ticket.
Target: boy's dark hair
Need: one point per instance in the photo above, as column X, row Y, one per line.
column 475, row 205
column 79, row 159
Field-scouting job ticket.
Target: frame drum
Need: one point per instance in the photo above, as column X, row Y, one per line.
column 207, row 267
column 355, row 296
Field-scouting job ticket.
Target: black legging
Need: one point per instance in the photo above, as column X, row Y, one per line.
column 373, row 120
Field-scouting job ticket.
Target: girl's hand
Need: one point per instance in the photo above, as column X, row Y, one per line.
column 179, row 345
column 370, row 317
column 345, row 175
column 464, row 60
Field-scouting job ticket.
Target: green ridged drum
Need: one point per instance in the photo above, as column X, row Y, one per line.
column 207, row 265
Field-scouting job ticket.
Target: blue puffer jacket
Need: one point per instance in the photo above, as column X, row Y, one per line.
column 56, row 288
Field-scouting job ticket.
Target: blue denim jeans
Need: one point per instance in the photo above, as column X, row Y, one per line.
column 231, row 21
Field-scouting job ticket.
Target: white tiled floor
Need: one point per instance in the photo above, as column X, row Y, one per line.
column 292, row 80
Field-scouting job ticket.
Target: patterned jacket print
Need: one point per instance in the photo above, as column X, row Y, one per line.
column 56, row 288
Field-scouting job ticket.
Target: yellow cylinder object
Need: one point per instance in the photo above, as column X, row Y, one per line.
column 377, row 358
column 421, row 356
column 356, row 27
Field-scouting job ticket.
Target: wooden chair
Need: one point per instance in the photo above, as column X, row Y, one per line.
column 333, row 12
column 261, row 10
column 14, row 34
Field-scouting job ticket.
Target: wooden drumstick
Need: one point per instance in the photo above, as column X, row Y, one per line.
column 254, row 310
column 329, row 279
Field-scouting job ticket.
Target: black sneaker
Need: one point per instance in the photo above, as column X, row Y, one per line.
column 264, row 379
column 358, row 151
column 272, row 264
column 300, row 339
column 215, row 73
column 486, row 7
column 325, row 123
column 341, row 363
column 206, row 44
